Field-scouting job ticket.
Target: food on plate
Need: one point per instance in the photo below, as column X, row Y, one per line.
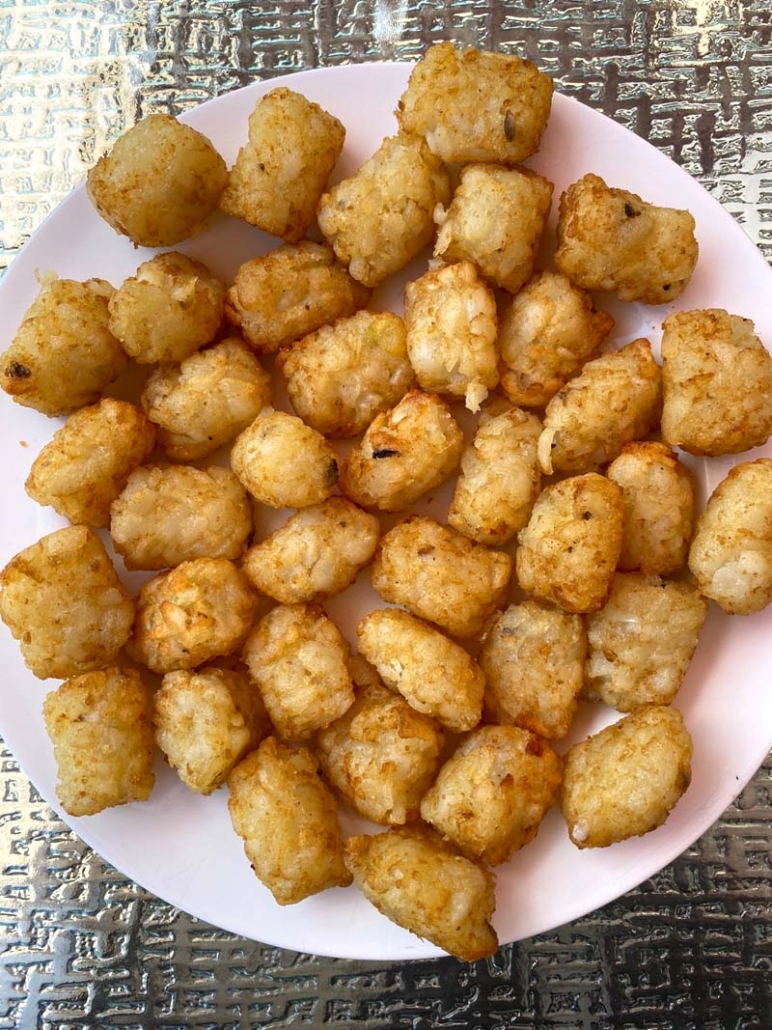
column 624, row 781
column 100, row 726
column 160, row 182
column 282, row 170
column 287, row 819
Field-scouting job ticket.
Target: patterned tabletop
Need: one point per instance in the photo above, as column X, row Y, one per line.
column 83, row 946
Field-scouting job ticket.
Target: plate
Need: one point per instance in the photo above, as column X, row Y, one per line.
column 181, row 846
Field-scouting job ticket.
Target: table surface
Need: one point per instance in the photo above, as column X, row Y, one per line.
column 82, row 945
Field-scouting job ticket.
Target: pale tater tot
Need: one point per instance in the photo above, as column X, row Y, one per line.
column 615, row 399
column 476, row 106
column 381, row 756
column 405, row 453
column 62, row 600
column 641, row 643
column 63, row 355
column 284, row 463
column 282, row 171
column 423, row 885
column 609, row 239
column 169, row 310
column 316, row 554
column 440, row 576
column 207, row 400
column 289, row 293
column 731, row 552
column 196, row 612
column 500, row 478
column 625, row 780
column 300, row 662
column 450, row 315
column 571, row 545
column 160, row 182
column 288, row 821
column 434, row 674
column 658, row 492
column 493, row 792
column 100, row 726
column 495, row 220
column 717, row 378
column 381, row 217
column 340, row 377
column 166, row 516
column 533, row 660
column 546, row 334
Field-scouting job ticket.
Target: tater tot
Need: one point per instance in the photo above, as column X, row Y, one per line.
column 546, row 334
column 196, row 612
column 381, row 756
column 282, row 171
column 609, row 239
column 63, row 355
column 500, row 479
column 160, row 182
column 439, row 575
column 533, row 660
column 476, row 106
column 316, row 554
column 422, row 884
column 434, row 674
column 496, row 220
column 615, row 399
column 299, row 660
column 717, row 378
column 405, row 452
column 624, row 781
column 166, row 516
column 340, row 377
column 289, row 293
column 731, row 552
column 287, row 819
column 62, row 600
column 658, row 492
column 571, row 545
column 99, row 724
column 381, row 217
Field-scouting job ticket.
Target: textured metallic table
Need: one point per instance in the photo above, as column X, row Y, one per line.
column 81, row 945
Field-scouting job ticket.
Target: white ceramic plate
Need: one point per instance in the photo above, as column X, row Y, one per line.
column 181, row 846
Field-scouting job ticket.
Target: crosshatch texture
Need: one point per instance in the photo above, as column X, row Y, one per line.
column 80, row 945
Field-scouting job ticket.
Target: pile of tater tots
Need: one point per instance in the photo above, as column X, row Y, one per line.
column 571, row 565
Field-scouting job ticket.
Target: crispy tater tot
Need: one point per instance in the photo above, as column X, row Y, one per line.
column 609, row 239
column 717, row 378
column 282, row 171
column 434, row 674
column 381, row 217
column 62, row 600
column 476, row 106
column 405, row 452
column 63, row 355
column 99, row 724
column 316, row 554
column 731, row 552
column 287, row 819
column 624, row 781
column 439, row 575
column 422, row 884
column 340, row 377
column 289, row 293
column 571, row 545
column 381, row 756
column 533, row 660
column 160, row 182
